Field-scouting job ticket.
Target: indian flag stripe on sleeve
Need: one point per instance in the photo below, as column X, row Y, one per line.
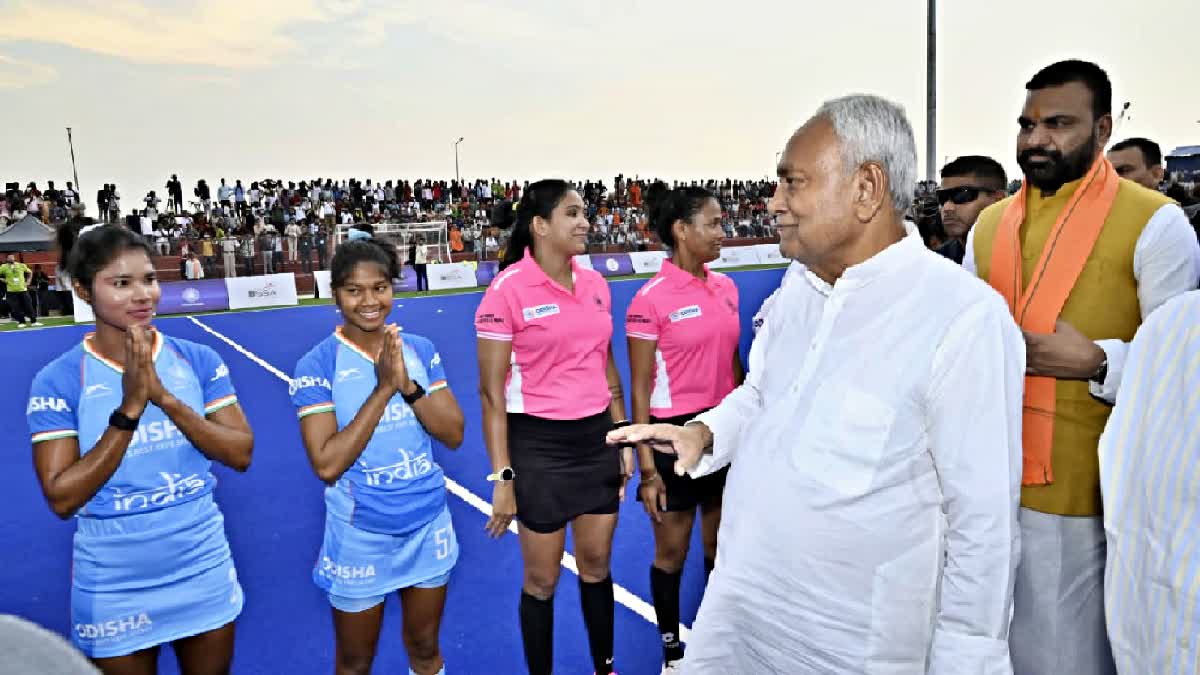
column 51, row 435
column 222, row 402
column 315, row 408
column 434, row 386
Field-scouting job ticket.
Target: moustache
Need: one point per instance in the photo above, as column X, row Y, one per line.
column 1052, row 155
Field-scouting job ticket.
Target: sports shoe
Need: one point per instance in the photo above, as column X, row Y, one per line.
column 671, row 668
column 37, row 323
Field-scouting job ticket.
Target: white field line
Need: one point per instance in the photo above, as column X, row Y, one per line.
column 620, row 593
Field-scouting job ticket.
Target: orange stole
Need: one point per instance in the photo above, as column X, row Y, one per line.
column 1037, row 303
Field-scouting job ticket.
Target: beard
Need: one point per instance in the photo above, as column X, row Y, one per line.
column 1060, row 169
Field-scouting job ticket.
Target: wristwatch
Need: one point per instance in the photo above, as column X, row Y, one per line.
column 1101, row 372
column 417, row 394
column 122, row 421
column 504, row 475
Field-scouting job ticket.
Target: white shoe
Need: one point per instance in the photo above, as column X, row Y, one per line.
column 671, row 668
column 37, row 323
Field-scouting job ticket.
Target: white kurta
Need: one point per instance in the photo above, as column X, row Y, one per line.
column 869, row 521
column 1150, row 479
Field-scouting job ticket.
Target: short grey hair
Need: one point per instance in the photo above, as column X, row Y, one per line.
column 873, row 129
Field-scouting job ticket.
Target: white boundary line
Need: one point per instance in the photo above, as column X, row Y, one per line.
column 620, row 593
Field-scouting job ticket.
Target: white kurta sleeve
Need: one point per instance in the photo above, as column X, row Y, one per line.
column 1166, row 263
column 974, row 422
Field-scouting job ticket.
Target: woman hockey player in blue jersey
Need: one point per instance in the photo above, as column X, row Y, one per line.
column 369, row 400
column 125, row 427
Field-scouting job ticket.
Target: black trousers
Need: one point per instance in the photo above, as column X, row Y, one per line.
column 21, row 305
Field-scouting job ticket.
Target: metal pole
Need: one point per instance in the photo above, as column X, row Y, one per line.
column 74, row 171
column 457, row 179
column 931, row 91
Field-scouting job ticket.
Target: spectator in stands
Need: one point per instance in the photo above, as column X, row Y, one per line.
column 40, row 288
column 419, row 259
column 229, row 247
column 174, row 194
column 247, row 246
column 1138, row 160
column 16, row 277
column 266, row 244
column 969, row 185
column 204, row 194
column 225, row 197
column 192, row 269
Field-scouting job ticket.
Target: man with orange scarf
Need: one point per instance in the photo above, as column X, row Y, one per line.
column 1082, row 257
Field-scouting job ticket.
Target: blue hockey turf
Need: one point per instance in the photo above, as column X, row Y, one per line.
column 274, row 513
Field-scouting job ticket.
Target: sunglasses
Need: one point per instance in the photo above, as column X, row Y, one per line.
column 961, row 195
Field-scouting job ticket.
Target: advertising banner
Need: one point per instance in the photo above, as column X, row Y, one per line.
column 612, row 264
column 735, row 256
column 268, row 290
column 647, row 262
column 452, row 275
column 768, row 254
column 178, row 297
column 185, row 297
column 486, row 271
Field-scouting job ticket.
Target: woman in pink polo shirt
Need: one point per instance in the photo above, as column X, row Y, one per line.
column 550, row 393
column 682, row 328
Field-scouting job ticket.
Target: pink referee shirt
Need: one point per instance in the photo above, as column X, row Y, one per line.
column 695, row 324
column 559, row 339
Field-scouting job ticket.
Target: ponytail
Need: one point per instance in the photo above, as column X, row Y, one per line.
column 666, row 206
column 540, row 200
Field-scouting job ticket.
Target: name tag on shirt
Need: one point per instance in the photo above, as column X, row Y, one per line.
column 539, row 312
column 690, row 312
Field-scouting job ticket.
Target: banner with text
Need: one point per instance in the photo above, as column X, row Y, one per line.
column 178, row 297
column 735, row 256
column 612, row 264
column 268, row 290
column 452, row 275
column 583, row 261
column 647, row 262
column 185, row 297
column 768, row 254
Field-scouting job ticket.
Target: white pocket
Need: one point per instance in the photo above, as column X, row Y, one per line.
column 847, row 431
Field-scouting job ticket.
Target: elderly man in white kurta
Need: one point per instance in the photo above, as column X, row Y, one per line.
column 870, row 511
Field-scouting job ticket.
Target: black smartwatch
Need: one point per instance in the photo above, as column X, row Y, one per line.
column 122, row 421
column 417, row 394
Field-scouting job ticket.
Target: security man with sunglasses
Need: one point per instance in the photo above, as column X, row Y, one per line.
column 969, row 185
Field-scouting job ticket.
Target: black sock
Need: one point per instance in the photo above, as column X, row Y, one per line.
column 598, row 610
column 709, row 564
column 537, row 633
column 664, row 588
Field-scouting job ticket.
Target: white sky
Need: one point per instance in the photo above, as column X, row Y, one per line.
column 670, row 88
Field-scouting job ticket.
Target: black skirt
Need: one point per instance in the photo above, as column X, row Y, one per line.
column 685, row 493
column 564, row 469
